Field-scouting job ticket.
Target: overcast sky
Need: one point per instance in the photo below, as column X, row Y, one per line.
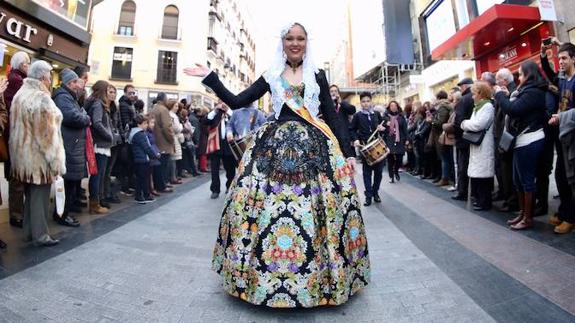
column 324, row 20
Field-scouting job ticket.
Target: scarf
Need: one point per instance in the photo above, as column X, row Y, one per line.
column 394, row 127
column 480, row 105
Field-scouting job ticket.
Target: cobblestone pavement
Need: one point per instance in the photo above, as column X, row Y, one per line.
column 156, row 268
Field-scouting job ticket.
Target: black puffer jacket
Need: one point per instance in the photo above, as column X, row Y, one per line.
column 101, row 123
column 127, row 114
column 528, row 110
column 75, row 120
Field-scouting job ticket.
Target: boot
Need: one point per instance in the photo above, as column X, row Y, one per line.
column 519, row 217
column 527, row 222
column 96, row 208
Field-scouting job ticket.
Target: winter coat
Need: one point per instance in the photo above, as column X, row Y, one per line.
column 115, row 123
column 36, row 146
column 101, row 123
column 178, row 136
column 422, row 130
column 152, row 140
column 442, row 116
column 499, row 123
column 75, row 120
column 361, row 128
column 15, row 79
column 163, row 130
column 528, row 110
column 482, row 157
column 127, row 114
column 195, row 122
column 396, row 148
column 204, row 130
column 142, row 150
column 463, row 110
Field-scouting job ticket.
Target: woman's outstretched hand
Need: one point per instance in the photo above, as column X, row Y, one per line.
column 198, row 71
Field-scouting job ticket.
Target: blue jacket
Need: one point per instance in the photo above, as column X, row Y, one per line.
column 152, row 140
column 141, row 147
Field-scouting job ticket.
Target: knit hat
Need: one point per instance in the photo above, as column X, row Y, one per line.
column 67, row 76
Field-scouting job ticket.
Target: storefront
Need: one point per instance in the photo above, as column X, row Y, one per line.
column 503, row 36
column 55, row 33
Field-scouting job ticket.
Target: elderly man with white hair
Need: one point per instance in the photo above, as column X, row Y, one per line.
column 504, row 161
column 36, row 149
column 19, row 64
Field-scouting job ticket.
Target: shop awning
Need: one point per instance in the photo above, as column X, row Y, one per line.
column 499, row 25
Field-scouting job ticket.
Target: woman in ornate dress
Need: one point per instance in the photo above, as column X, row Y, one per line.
column 291, row 233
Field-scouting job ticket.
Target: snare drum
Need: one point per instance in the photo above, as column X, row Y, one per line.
column 239, row 146
column 375, row 151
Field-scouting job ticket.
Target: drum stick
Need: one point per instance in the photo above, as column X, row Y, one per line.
column 373, row 134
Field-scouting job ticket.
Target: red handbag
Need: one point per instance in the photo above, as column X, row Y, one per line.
column 213, row 140
column 90, row 154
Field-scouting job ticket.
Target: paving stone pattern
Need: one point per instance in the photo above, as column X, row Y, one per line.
column 157, row 269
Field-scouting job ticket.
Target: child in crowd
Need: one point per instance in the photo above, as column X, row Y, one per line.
column 142, row 151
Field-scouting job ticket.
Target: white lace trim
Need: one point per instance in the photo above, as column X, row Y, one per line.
column 274, row 79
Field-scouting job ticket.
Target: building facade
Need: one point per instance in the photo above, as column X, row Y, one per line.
column 149, row 43
column 56, row 32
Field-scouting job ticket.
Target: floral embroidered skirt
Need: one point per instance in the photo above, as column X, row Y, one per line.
column 291, row 233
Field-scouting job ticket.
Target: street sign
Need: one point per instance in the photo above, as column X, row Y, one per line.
column 547, row 10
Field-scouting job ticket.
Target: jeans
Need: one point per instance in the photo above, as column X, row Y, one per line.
column 71, row 189
column 158, row 176
column 525, row 162
column 372, row 189
column 142, row 171
column 107, row 191
column 447, row 163
column 462, row 165
column 96, row 182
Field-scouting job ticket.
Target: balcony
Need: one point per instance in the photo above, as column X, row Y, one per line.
column 212, row 45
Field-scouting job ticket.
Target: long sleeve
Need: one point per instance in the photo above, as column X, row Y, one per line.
column 523, row 105
column 72, row 115
column 482, row 120
column 549, row 72
column 353, row 128
column 331, row 117
column 245, row 98
column 97, row 122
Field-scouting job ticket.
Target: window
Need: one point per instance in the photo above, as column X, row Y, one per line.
column 127, row 18
column 167, row 67
column 122, row 63
column 170, row 26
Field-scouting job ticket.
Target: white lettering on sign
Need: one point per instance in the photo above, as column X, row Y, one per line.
column 14, row 27
column 18, row 28
column 507, row 55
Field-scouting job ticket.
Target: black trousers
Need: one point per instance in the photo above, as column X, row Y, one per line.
column 482, row 189
column 71, row 189
column 158, row 176
column 376, row 170
column 462, row 165
column 230, row 165
column 393, row 164
column 142, row 171
column 165, row 168
column 566, row 191
column 544, row 170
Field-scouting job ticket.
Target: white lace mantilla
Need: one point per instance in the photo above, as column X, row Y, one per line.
column 274, row 78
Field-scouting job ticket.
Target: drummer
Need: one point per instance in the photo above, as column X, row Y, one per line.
column 363, row 125
column 243, row 122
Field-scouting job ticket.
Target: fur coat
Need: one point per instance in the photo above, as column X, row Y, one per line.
column 36, row 146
